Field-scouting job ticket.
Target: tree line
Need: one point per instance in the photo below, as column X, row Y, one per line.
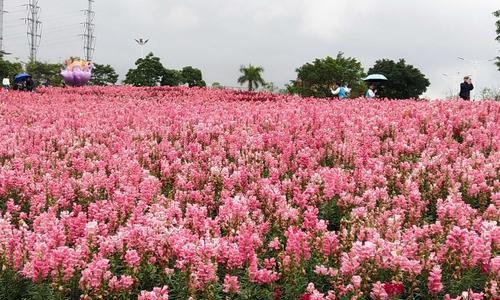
column 149, row 71
column 314, row 79
column 50, row 74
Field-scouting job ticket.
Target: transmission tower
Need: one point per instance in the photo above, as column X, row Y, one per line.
column 88, row 35
column 34, row 28
column 1, row 27
column 2, row 52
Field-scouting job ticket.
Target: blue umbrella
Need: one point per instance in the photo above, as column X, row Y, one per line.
column 21, row 77
column 375, row 78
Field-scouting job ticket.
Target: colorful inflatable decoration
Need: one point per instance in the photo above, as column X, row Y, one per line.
column 77, row 72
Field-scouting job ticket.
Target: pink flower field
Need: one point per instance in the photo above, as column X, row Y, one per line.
column 131, row 193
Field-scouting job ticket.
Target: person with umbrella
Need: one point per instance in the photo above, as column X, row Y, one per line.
column 371, row 92
column 21, row 80
column 372, row 80
column 30, row 84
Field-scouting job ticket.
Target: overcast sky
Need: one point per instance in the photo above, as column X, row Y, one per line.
column 218, row 36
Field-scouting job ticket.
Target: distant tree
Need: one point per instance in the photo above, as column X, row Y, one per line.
column 405, row 81
column 217, row 85
column 171, row 78
column 44, row 71
column 9, row 69
column 497, row 14
column 314, row 79
column 270, row 87
column 148, row 72
column 103, row 75
column 251, row 75
column 490, row 94
column 192, row 77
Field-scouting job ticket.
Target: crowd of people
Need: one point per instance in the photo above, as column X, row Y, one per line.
column 342, row 91
column 27, row 85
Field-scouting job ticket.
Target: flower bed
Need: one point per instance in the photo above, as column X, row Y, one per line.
column 121, row 193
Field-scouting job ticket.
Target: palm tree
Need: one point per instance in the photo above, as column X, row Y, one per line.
column 252, row 75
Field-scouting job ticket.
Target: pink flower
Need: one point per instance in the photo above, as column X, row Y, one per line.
column 495, row 265
column 356, row 281
column 274, row 244
column 132, row 258
column 156, row 294
column 434, row 282
column 121, row 284
column 96, row 274
column 297, row 244
column 204, row 274
column 378, row 292
column 231, row 284
column 321, row 270
column 169, row 271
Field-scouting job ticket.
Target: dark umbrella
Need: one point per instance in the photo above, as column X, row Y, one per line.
column 21, row 77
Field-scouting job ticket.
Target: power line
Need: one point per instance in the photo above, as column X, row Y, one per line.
column 46, row 29
column 66, row 41
column 88, row 35
column 13, row 25
column 15, row 12
column 34, row 29
column 55, row 21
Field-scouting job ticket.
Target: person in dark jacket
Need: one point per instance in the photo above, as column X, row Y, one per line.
column 30, row 84
column 465, row 88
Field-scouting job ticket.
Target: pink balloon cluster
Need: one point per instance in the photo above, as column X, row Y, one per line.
column 77, row 72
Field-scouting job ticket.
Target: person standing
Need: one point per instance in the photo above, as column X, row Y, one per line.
column 340, row 91
column 372, row 91
column 335, row 89
column 465, row 88
column 344, row 91
column 30, row 84
column 6, row 83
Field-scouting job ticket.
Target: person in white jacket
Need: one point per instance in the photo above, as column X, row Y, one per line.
column 340, row 91
column 372, row 91
column 6, row 83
